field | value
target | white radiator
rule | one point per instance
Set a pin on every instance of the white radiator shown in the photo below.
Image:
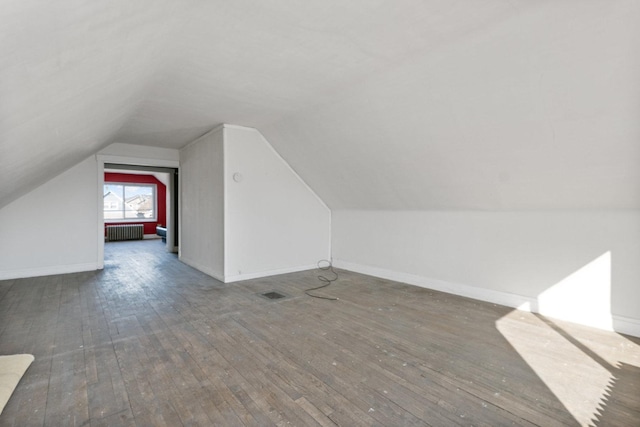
(125, 232)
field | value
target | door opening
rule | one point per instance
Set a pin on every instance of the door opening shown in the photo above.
(141, 198)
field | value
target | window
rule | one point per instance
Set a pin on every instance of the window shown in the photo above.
(129, 202)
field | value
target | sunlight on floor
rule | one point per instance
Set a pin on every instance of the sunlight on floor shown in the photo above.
(577, 374)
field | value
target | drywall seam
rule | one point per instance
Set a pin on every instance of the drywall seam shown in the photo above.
(100, 161)
(225, 201)
(48, 271)
(330, 254)
(621, 324)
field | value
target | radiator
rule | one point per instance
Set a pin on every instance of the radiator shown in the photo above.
(125, 232)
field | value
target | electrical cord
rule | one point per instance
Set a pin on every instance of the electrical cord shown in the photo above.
(327, 281)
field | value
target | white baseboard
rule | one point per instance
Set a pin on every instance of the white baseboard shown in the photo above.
(244, 276)
(151, 237)
(620, 324)
(202, 268)
(248, 276)
(48, 271)
(488, 295)
(626, 325)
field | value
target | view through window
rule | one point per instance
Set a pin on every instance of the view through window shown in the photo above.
(124, 202)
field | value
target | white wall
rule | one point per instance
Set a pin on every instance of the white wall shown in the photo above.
(52, 229)
(57, 227)
(141, 155)
(274, 223)
(245, 212)
(581, 266)
(202, 204)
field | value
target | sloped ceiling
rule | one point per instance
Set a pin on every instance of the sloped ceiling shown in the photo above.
(494, 104)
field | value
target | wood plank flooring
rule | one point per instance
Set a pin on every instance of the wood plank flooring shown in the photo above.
(152, 342)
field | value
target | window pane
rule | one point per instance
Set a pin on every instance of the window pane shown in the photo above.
(113, 201)
(129, 202)
(139, 201)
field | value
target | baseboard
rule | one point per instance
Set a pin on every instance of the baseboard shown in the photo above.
(624, 325)
(244, 276)
(248, 276)
(496, 297)
(151, 237)
(48, 271)
(202, 268)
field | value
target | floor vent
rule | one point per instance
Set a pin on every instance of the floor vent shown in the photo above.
(272, 295)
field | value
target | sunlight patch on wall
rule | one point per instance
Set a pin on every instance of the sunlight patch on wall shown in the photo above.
(582, 297)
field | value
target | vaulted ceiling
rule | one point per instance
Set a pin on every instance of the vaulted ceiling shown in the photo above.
(396, 104)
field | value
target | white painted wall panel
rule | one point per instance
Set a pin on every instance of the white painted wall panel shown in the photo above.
(52, 229)
(202, 202)
(145, 155)
(580, 266)
(274, 222)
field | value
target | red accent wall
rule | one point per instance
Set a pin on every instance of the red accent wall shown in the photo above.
(161, 193)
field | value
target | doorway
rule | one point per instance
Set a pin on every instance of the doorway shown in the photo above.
(140, 187)
(143, 194)
(148, 194)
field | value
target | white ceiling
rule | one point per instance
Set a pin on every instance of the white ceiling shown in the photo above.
(397, 104)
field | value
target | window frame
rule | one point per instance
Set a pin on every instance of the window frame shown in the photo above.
(154, 188)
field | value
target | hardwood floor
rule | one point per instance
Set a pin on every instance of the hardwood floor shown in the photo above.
(152, 342)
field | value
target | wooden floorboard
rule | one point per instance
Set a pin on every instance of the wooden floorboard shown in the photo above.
(149, 341)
